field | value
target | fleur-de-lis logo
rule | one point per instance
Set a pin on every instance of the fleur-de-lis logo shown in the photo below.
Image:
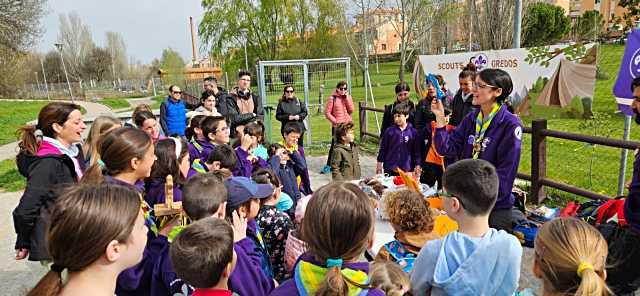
(634, 66)
(481, 61)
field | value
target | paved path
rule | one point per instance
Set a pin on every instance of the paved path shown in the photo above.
(93, 110)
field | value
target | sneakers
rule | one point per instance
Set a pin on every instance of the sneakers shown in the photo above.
(325, 170)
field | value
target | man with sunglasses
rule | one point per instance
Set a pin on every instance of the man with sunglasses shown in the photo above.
(173, 113)
(241, 106)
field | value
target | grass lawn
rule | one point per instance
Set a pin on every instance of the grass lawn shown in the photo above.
(115, 103)
(10, 179)
(14, 114)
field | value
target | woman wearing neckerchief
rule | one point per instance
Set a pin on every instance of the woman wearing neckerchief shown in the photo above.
(491, 133)
(51, 159)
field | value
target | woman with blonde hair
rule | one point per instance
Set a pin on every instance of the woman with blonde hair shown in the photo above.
(570, 257)
(101, 125)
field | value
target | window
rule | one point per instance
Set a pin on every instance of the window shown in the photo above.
(384, 46)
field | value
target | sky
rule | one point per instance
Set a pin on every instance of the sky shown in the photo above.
(148, 26)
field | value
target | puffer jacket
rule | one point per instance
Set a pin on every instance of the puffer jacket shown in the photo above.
(339, 108)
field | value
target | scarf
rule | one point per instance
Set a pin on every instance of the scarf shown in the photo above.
(482, 125)
(309, 276)
(71, 151)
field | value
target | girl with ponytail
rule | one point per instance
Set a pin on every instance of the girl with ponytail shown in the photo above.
(51, 159)
(96, 232)
(126, 156)
(338, 228)
(570, 258)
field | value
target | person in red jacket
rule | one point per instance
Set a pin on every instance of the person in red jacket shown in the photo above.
(339, 109)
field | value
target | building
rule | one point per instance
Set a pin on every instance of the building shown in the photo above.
(383, 30)
(565, 4)
(609, 9)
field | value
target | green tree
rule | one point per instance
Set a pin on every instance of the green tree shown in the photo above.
(223, 22)
(632, 13)
(588, 26)
(544, 24)
(173, 64)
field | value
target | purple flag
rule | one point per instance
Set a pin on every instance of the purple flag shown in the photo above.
(629, 69)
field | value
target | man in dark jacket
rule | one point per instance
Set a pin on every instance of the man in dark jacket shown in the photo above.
(211, 88)
(241, 105)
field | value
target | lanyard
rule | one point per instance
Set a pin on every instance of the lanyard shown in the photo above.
(482, 125)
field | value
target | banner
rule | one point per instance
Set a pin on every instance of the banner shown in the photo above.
(523, 74)
(629, 69)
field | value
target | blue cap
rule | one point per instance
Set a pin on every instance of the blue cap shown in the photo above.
(242, 189)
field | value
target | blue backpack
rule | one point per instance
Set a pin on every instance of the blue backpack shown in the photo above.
(401, 255)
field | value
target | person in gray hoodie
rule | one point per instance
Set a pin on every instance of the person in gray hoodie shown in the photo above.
(476, 259)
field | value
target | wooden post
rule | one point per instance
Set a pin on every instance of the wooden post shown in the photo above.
(538, 160)
(168, 192)
(363, 119)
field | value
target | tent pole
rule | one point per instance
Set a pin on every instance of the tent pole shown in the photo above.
(623, 156)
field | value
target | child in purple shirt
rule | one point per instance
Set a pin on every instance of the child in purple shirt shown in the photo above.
(397, 147)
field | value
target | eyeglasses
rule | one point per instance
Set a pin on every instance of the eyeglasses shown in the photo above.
(342, 88)
(177, 92)
(288, 91)
(483, 85)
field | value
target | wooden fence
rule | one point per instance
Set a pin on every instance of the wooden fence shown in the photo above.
(539, 134)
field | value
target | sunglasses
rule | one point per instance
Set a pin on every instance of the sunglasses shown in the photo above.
(177, 92)
(342, 88)
(288, 91)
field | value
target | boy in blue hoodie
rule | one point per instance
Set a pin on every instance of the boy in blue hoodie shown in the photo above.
(477, 259)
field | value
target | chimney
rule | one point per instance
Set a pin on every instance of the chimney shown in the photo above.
(193, 41)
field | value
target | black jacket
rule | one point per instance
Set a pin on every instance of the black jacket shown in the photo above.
(387, 118)
(460, 108)
(423, 115)
(291, 107)
(228, 107)
(221, 93)
(46, 177)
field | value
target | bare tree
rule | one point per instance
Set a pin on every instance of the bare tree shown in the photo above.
(77, 43)
(117, 49)
(417, 18)
(19, 30)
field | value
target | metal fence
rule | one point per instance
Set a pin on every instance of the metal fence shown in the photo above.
(313, 80)
(92, 89)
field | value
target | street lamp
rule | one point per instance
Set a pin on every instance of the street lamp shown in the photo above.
(59, 47)
(244, 33)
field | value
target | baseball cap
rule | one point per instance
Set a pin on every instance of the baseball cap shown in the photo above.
(242, 189)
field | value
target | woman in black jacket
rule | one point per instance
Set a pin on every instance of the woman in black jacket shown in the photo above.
(51, 160)
(291, 109)
(402, 95)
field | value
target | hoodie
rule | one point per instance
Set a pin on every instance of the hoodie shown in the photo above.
(463, 265)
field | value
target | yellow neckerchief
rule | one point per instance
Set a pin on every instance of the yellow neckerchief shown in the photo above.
(482, 125)
(293, 148)
(309, 276)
